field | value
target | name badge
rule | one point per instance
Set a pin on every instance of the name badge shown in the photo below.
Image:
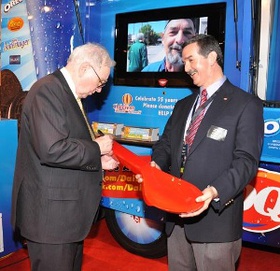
(217, 133)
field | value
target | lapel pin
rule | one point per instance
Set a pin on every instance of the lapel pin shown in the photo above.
(225, 98)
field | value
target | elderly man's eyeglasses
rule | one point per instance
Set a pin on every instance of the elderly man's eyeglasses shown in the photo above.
(101, 83)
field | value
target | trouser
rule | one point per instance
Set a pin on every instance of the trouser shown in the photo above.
(184, 255)
(52, 257)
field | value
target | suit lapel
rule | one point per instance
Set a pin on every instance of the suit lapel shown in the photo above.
(214, 111)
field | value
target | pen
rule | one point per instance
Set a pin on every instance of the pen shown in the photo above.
(100, 133)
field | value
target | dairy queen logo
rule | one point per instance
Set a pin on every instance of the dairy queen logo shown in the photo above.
(262, 203)
(126, 106)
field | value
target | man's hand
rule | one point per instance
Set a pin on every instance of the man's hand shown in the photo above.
(209, 194)
(105, 144)
(139, 178)
(109, 162)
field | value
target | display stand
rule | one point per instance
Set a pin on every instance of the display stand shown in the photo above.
(8, 147)
(134, 142)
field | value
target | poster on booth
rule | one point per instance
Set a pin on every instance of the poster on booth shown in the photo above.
(262, 203)
(122, 192)
(261, 220)
(271, 144)
(16, 44)
(37, 37)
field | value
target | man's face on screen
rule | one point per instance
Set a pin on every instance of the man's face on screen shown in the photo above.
(176, 33)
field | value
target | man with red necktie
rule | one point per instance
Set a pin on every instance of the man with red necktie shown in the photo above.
(220, 157)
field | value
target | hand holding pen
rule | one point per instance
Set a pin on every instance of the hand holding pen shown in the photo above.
(105, 143)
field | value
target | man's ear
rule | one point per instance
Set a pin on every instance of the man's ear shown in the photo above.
(162, 35)
(82, 68)
(212, 57)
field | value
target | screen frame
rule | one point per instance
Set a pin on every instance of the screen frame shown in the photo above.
(216, 14)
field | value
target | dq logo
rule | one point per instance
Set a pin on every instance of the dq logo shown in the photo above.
(271, 127)
(262, 203)
(126, 106)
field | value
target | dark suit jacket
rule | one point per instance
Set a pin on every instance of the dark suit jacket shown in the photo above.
(58, 174)
(225, 154)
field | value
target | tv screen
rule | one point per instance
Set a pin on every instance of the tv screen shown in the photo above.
(148, 43)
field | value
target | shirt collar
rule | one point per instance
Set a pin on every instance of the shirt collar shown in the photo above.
(69, 81)
(214, 87)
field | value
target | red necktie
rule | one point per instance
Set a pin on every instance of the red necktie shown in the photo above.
(196, 122)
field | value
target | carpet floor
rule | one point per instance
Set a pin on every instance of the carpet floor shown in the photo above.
(103, 253)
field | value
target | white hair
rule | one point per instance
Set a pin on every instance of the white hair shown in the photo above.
(92, 53)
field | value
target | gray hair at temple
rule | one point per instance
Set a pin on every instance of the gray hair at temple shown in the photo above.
(92, 53)
(207, 44)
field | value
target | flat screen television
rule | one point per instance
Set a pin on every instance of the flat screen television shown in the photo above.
(206, 18)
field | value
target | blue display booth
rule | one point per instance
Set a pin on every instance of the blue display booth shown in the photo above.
(8, 147)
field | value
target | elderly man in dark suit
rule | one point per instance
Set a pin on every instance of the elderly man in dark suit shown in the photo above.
(58, 175)
(215, 145)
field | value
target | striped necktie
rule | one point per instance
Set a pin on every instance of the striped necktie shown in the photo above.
(85, 117)
(196, 122)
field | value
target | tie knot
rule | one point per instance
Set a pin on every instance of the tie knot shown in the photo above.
(203, 96)
(204, 93)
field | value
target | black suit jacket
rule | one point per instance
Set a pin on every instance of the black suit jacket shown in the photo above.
(58, 174)
(225, 154)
